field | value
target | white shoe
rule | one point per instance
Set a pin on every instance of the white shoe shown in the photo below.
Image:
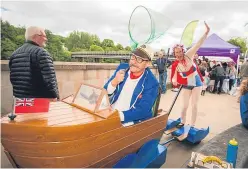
(175, 89)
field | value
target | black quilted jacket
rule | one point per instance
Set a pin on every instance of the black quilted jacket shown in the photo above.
(32, 72)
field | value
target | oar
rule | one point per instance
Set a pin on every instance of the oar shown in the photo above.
(175, 99)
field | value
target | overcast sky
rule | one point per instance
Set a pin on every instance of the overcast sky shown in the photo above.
(109, 19)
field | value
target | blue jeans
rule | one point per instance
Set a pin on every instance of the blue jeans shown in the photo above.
(162, 81)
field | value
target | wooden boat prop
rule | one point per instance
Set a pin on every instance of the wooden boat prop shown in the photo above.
(80, 131)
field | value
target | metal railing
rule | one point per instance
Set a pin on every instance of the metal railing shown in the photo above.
(95, 55)
(101, 53)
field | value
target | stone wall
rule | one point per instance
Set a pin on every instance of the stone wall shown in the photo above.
(69, 75)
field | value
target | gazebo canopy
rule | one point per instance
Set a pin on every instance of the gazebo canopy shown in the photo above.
(215, 46)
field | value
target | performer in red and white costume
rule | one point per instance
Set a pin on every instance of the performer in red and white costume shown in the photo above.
(186, 72)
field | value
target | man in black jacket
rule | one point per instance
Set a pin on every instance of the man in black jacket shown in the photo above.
(162, 64)
(31, 67)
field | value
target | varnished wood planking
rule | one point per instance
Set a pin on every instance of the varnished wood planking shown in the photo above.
(132, 148)
(76, 146)
(21, 117)
(108, 162)
(52, 113)
(77, 121)
(29, 116)
(57, 119)
(89, 158)
(57, 104)
(111, 160)
(62, 133)
(60, 119)
(104, 114)
(66, 116)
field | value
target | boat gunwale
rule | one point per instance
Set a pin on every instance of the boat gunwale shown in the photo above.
(77, 125)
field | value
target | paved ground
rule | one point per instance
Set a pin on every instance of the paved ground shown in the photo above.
(220, 112)
(217, 145)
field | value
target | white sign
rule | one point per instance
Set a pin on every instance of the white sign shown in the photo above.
(232, 51)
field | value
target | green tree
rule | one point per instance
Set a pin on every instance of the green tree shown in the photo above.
(119, 47)
(55, 47)
(76, 50)
(108, 43)
(96, 48)
(73, 40)
(240, 42)
(95, 40)
(65, 56)
(81, 40)
(7, 30)
(8, 47)
(108, 49)
(19, 40)
(11, 39)
(85, 40)
(128, 48)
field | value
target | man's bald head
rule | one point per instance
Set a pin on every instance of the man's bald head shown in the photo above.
(160, 54)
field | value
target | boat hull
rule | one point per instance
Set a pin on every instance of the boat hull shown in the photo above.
(100, 143)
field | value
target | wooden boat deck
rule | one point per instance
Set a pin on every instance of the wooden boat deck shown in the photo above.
(60, 114)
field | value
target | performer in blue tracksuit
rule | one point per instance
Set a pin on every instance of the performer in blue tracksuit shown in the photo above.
(133, 88)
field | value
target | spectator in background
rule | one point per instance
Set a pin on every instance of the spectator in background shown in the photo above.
(204, 73)
(226, 69)
(213, 64)
(220, 76)
(208, 65)
(232, 75)
(244, 70)
(32, 73)
(162, 64)
(203, 68)
(212, 75)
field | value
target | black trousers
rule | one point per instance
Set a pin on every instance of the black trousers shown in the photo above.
(231, 81)
(217, 80)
